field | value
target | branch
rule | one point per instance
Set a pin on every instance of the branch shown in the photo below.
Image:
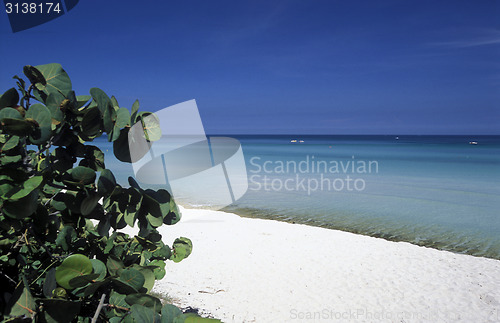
(101, 304)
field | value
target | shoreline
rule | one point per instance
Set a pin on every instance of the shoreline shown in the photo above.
(390, 235)
(255, 270)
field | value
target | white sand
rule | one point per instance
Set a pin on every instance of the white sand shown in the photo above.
(251, 270)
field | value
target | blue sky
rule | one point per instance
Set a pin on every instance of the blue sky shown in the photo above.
(283, 67)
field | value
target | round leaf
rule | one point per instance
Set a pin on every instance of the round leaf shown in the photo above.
(122, 118)
(56, 77)
(9, 98)
(53, 103)
(91, 122)
(16, 127)
(27, 187)
(133, 277)
(10, 113)
(121, 147)
(106, 183)
(182, 249)
(89, 203)
(73, 266)
(144, 300)
(99, 268)
(34, 75)
(43, 118)
(11, 143)
(82, 175)
(23, 207)
(151, 126)
(169, 312)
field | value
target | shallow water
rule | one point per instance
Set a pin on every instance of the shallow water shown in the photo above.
(437, 191)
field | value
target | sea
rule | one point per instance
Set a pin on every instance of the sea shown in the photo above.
(436, 191)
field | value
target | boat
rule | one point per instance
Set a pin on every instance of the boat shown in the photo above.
(293, 140)
(472, 142)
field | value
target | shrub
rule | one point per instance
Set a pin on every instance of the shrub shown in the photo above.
(62, 256)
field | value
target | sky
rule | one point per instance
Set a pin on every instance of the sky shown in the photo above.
(285, 66)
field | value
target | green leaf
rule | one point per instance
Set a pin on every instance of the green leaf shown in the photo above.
(169, 312)
(11, 143)
(114, 265)
(43, 118)
(150, 125)
(91, 123)
(81, 281)
(92, 288)
(16, 127)
(89, 203)
(144, 300)
(49, 284)
(56, 77)
(118, 299)
(101, 98)
(81, 100)
(123, 287)
(149, 276)
(122, 118)
(53, 103)
(73, 266)
(133, 206)
(10, 159)
(73, 201)
(182, 249)
(135, 110)
(59, 310)
(9, 99)
(94, 158)
(132, 277)
(121, 147)
(159, 271)
(22, 208)
(22, 302)
(106, 183)
(82, 175)
(99, 268)
(105, 107)
(10, 113)
(114, 103)
(26, 188)
(142, 314)
(152, 207)
(34, 75)
(65, 237)
(174, 215)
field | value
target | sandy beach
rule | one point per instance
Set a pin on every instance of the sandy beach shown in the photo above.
(252, 270)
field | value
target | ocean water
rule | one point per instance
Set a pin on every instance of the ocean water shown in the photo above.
(437, 191)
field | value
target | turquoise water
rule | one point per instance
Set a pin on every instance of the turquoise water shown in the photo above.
(437, 191)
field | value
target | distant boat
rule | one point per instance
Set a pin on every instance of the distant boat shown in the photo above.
(293, 140)
(301, 140)
(397, 138)
(472, 142)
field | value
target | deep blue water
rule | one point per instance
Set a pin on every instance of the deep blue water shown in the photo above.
(437, 191)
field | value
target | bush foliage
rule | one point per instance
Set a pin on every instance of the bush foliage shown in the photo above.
(62, 256)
